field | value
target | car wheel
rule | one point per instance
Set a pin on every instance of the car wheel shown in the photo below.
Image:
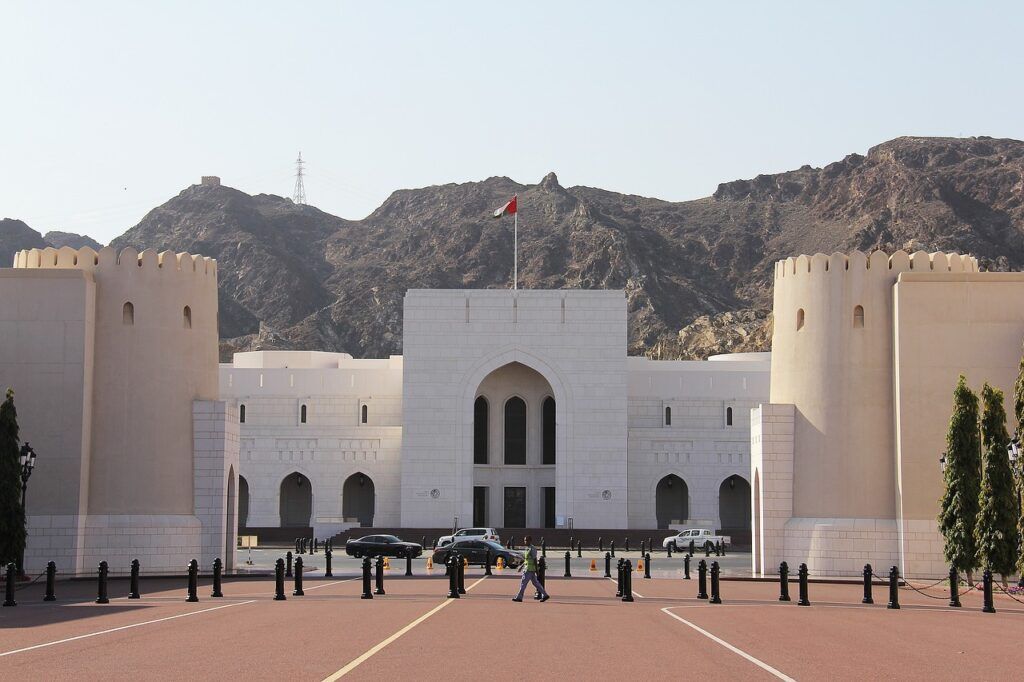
(357, 554)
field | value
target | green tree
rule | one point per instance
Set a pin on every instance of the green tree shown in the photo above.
(996, 528)
(1018, 411)
(12, 518)
(959, 509)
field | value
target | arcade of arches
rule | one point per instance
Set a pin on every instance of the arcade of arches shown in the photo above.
(672, 505)
(358, 499)
(514, 449)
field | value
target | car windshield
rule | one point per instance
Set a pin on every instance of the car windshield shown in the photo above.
(493, 545)
(389, 538)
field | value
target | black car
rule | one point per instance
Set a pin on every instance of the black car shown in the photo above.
(382, 545)
(475, 551)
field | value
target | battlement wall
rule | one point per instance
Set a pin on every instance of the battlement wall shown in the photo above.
(877, 265)
(107, 258)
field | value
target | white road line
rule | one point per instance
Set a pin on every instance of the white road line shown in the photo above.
(759, 663)
(635, 593)
(362, 659)
(123, 627)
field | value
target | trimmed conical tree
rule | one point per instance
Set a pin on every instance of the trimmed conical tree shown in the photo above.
(996, 528)
(1018, 411)
(959, 509)
(12, 518)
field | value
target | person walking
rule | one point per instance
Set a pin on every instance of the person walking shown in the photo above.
(529, 568)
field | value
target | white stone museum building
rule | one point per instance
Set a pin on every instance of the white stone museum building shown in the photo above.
(511, 409)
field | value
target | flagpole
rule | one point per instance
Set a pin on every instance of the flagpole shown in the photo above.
(515, 248)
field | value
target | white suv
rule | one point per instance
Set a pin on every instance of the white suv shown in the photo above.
(469, 534)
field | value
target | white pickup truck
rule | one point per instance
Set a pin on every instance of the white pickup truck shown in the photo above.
(701, 538)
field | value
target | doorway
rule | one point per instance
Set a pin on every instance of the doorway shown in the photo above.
(549, 507)
(480, 505)
(515, 507)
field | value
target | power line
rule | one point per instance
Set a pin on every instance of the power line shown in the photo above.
(299, 195)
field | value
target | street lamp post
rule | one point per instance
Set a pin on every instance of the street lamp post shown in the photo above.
(27, 460)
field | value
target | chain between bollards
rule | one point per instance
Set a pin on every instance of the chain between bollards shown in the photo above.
(279, 580)
(218, 567)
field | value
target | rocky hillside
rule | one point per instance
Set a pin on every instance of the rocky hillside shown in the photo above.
(15, 236)
(696, 273)
(75, 241)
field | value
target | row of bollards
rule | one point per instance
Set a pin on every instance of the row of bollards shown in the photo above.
(312, 545)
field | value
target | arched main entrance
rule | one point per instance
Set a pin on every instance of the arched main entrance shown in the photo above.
(243, 502)
(357, 499)
(672, 501)
(734, 509)
(296, 501)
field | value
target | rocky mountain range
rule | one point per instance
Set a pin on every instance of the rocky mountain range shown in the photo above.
(697, 274)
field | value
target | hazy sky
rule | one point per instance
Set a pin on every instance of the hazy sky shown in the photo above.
(109, 109)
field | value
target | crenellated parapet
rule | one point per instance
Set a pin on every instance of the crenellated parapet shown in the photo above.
(877, 265)
(148, 261)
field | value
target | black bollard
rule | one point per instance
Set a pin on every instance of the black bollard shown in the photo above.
(702, 580)
(461, 574)
(692, 547)
(327, 557)
(423, 542)
(784, 582)
(408, 563)
(453, 578)
(12, 571)
(803, 601)
(686, 567)
(647, 566)
(193, 581)
(650, 546)
(625, 545)
(627, 576)
(668, 550)
(101, 588)
(894, 588)
(707, 549)
(600, 544)
(954, 588)
(367, 594)
(487, 562)
(716, 597)
(279, 580)
(288, 567)
(298, 544)
(133, 585)
(607, 565)
(312, 546)
(641, 548)
(867, 585)
(543, 547)
(51, 579)
(579, 549)
(218, 567)
(619, 579)
(568, 558)
(612, 547)
(986, 590)
(542, 568)
(379, 587)
(718, 548)
(723, 547)
(297, 592)
(571, 543)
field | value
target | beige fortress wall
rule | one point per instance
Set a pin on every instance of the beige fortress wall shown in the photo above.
(146, 377)
(46, 356)
(839, 376)
(946, 324)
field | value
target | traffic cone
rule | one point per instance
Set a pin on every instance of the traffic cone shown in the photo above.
(593, 564)
(387, 564)
(500, 564)
(640, 565)
(430, 563)
(465, 561)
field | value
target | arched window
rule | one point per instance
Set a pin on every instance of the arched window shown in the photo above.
(302, 414)
(858, 316)
(800, 319)
(515, 431)
(186, 316)
(728, 416)
(241, 414)
(128, 313)
(668, 416)
(481, 413)
(365, 414)
(549, 431)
